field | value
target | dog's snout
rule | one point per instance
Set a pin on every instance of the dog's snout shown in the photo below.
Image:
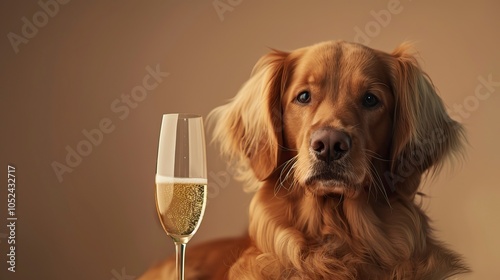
(330, 144)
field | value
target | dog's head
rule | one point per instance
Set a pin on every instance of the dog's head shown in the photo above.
(338, 118)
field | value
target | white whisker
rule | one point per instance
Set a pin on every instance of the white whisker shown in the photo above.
(288, 167)
(377, 182)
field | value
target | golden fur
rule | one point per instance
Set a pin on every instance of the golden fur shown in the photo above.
(348, 218)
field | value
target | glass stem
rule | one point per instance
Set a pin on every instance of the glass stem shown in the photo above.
(180, 248)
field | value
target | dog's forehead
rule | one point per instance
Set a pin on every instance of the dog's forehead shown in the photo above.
(335, 60)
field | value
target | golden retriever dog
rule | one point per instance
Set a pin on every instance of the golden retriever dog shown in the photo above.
(335, 139)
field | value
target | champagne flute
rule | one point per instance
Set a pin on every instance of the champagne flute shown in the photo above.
(181, 180)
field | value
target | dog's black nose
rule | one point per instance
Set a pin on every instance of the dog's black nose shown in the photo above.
(330, 144)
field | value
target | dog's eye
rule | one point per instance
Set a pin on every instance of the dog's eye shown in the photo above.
(370, 100)
(304, 97)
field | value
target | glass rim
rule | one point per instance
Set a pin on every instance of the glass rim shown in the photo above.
(183, 115)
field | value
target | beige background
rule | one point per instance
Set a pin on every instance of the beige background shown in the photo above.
(100, 221)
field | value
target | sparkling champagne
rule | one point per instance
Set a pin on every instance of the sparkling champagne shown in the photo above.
(180, 203)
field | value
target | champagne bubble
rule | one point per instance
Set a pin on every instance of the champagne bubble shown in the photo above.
(181, 206)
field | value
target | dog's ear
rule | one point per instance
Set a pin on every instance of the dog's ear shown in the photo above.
(423, 133)
(249, 127)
